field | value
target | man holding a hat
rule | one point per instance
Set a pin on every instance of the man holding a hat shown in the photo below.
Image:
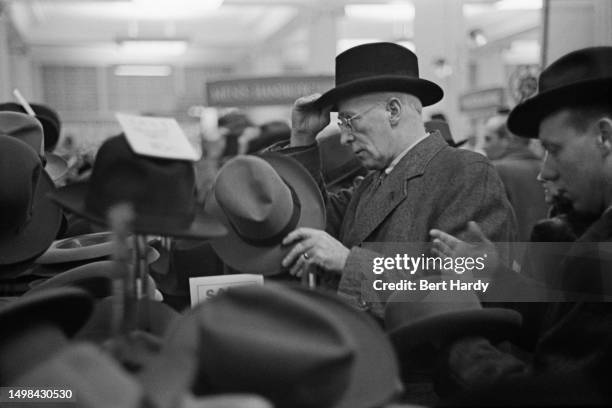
(417, 182)
(572, 116)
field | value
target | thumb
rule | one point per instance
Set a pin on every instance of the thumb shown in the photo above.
(476, 233)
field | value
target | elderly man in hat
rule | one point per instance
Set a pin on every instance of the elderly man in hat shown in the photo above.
(572, 116)
(417, 182)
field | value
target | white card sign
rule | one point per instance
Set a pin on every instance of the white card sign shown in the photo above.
(157, 137)
(206, 287)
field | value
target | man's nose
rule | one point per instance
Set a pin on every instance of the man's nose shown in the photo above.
(346, 137)
(548, 171)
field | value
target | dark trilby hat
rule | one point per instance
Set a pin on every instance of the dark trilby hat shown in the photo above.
(296, 347)
(29, 221)
(379, 67)
(578, 78)
(48, 118)
(161, 191)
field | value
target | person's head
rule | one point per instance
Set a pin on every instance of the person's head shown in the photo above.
(498, 139)
(379, 126)
(578, 160)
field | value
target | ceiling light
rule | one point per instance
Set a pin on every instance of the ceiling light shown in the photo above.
(390, 11)
(518, 5)
(152, 47)
(143, 70)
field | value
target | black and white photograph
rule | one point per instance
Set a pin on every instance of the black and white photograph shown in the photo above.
(305, 203)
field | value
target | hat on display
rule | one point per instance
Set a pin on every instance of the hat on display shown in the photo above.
(48, 118)
(580, 77)
(293, 346)
(29, 221)
(416, 318)
(379, 67)
(260, 199)
(36, 326)
(29, 130)
(161, 191)
(442, 127)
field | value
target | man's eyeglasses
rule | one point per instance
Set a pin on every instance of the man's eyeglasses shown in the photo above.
(345, 123)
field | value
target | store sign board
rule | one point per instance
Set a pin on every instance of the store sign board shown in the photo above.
(263, 91)
(483, 99)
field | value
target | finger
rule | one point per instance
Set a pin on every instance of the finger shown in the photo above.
(475, 230)
(447, 239)
(299, 267)
(307, 100)
(442, 248)
(293, 255)
(297, 235)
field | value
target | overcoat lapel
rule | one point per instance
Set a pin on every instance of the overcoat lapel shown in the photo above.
(372, 208)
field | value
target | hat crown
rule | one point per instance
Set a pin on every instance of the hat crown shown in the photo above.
(375, 59)
(25, 128)
(253, 196)
(289, 347)
(154, 187)
(20, 170)
(406, 307)
(579, 66)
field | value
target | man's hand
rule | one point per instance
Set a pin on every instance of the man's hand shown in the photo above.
(307, 120)
(314, 247)
(446, 245)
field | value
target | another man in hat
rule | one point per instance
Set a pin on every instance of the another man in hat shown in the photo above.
(518, 168)
(417, 182)
(572, 116)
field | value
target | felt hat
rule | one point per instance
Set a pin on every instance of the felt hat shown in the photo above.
(85, 247)
(295, 347)
(161, 191)
(29, 221)
(260, 199)
(48, 118)
(379, 67)
(29, 130)
(417, 318)
(338, 162)
(442, 127)
(581, 77)
(36, 326)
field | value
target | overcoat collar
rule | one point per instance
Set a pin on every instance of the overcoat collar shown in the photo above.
(392, 191)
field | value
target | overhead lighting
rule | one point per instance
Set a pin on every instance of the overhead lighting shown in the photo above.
(518, 5)
(390, 11)
(143, 70)
(152, 47)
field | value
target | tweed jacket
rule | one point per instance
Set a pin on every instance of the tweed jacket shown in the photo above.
(433, 186)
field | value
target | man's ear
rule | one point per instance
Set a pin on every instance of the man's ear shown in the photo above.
(394, 110)
(604, 128)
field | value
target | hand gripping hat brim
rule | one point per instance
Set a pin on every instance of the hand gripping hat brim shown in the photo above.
(379, 67)
(266, 259)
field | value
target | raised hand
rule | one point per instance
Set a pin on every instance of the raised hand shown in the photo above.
(307, 120)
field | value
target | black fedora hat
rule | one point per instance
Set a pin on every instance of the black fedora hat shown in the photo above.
(379, 67)
(582, 76)
(442, 127)
(29, 221)
(48, 118)
(162, 193)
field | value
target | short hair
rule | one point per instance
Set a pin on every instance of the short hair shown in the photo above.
(580, 117)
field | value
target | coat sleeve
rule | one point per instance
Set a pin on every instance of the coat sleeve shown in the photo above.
(335, 203)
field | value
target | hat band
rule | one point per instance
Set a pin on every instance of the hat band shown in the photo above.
(278, 237)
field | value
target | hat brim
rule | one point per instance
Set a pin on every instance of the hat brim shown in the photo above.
(428, 92)
(374, 378)
(68, 308)
(56, 166)
(493, 323)
(524, 120)
(203, 226)
(266, 260)
(40, 232)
